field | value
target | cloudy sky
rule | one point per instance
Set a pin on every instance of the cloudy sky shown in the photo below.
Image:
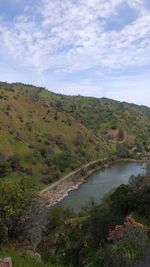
(88, 47)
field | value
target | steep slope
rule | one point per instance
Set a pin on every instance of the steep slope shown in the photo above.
(41, 141)
(97, 114)
(47, 135)
(103, 114)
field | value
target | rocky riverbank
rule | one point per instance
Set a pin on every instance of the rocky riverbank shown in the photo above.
(61, 190)
(49, 197)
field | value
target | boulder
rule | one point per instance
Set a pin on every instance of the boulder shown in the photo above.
(6, 262)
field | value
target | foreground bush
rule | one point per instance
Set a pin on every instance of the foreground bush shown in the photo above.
(14, 201)
(19, 260)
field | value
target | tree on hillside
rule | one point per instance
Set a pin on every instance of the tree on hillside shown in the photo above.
(120, 135)
(3, 166)
(122, 150)
(79, 139)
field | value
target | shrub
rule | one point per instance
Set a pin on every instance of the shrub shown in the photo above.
(15, 199)
(125, 252)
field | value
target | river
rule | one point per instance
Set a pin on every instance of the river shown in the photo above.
(101, 182)
(96, 186)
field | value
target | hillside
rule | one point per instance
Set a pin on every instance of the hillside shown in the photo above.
(97, 114)
(102, 114)
(39, 140)
(46, 135)
(43, 137)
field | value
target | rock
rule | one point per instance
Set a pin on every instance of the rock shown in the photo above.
(6, 262)
(34, 254)
(119, 230)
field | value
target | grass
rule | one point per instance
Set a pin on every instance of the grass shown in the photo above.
(140, 219)
(78, 220)
(18, 176)
(22, 260)
(19, 110)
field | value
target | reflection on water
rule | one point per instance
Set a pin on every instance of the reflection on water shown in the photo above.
(101, 182)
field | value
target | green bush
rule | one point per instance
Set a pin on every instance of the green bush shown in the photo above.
(14, 201)
(126, 251)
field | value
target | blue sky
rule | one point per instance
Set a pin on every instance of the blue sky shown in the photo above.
(88, 47)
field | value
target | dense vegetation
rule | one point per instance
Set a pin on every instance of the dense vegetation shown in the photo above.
(85, 239)
(90, 238)
(15, 199)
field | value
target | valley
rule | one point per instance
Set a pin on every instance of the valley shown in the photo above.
(47, 135)
(72, 170)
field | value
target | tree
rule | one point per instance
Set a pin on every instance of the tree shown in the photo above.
(122, 151)
(120, 135)
(3, 166)
(14, 162)
(124, 199)
(56, 116)
(14, 201)
(79, 139)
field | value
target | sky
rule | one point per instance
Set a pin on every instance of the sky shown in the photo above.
(95, 48)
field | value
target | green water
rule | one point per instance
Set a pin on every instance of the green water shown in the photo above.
(101, 182)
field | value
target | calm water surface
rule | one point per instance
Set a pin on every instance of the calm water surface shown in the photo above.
(101, 182)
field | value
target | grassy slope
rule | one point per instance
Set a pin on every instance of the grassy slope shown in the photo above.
(32, 119)
(95, 113)
(27, 127)
(102, 114)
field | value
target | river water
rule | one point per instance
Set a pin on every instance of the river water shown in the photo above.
(101, 182)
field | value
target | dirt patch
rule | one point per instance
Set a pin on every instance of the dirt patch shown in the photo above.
(114, 135)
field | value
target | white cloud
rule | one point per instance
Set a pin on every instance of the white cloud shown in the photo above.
(69, 35)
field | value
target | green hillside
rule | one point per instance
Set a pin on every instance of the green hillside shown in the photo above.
(102, 114)
(98, 114)
(40, 141)
(94, 113)
(46, 135)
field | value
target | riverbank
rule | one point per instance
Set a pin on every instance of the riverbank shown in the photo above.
(56, 192)
(80, 196)
(146, 160)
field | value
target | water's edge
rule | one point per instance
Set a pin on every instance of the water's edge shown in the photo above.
(75, 179)
(101, 182)
(39, 210)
